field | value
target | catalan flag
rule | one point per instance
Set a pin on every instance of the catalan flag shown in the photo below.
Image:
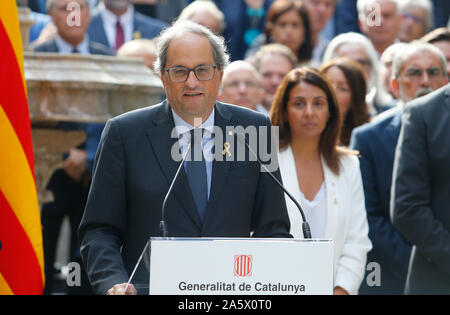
(21, 253)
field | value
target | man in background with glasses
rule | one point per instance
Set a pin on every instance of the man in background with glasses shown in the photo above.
(135, 165)
(417, 19)
(241, 85)
(420, 186)
(418, 69)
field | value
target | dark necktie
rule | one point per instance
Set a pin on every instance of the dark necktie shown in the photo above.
(75, 51)
(120, 37)
(196, 173)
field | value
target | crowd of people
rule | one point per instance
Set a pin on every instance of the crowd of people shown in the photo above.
(359, 90)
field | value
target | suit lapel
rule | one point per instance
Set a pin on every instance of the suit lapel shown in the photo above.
(158, 136)
(447, 96)
(393, 128)
(220, 169)
(97, 31)
(53, 46)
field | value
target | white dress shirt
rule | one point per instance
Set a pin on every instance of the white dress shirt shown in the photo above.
(110, 24)
(318, 51)
(66, 48)
(261, 109)
(182, 128)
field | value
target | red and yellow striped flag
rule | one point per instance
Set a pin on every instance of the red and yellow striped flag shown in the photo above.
(21, 253)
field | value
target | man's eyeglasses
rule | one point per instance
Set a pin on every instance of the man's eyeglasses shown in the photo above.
(181, 74)
(416, 19)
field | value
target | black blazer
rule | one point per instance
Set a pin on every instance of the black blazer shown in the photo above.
(421, 190)
(132, 173)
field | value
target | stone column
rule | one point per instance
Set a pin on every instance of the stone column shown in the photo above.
(26, 21)
(79, 88)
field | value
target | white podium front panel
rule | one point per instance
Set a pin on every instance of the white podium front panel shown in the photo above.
(241, 266)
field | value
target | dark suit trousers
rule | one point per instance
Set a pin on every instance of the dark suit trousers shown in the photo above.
(70, 200)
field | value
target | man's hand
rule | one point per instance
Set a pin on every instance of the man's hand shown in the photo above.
(339, 291)
(76, 164)
(119, 289)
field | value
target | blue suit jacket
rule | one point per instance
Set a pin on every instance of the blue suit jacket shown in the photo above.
(376, 143)
(143, 27)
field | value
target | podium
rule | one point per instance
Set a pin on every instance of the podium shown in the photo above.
(234, 266)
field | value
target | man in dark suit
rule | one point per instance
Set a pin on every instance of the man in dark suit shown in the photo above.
(421, 186)
(116, 22)
(376, 144)
(70, 184)
(71, 19)
(136, 162)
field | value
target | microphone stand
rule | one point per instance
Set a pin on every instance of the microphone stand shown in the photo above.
(162, 223)
(305, 225)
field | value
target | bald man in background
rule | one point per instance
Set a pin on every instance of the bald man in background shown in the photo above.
(241, 85)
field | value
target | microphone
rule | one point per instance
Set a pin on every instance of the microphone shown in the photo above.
(162, 223)
(305, 225)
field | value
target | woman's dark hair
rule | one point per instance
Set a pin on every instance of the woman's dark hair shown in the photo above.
(330, 135)
(280, 7)
(358, 113)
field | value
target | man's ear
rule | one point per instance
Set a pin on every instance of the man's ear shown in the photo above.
(162, 80)
(221, 75)
(395, 87)
(362, 26)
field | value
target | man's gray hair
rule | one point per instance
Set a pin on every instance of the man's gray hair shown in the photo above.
(273, 49)
(355, 39)
(363, 5)
(207, 5)
(50, 5)
(426, 5)
(413, 48)
(241, 65)
(180, 28)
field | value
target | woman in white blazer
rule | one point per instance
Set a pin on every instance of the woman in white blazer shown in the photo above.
(324, 178)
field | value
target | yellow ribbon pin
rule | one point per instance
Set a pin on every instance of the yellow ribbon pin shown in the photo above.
(137, 35)
(226, 149)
